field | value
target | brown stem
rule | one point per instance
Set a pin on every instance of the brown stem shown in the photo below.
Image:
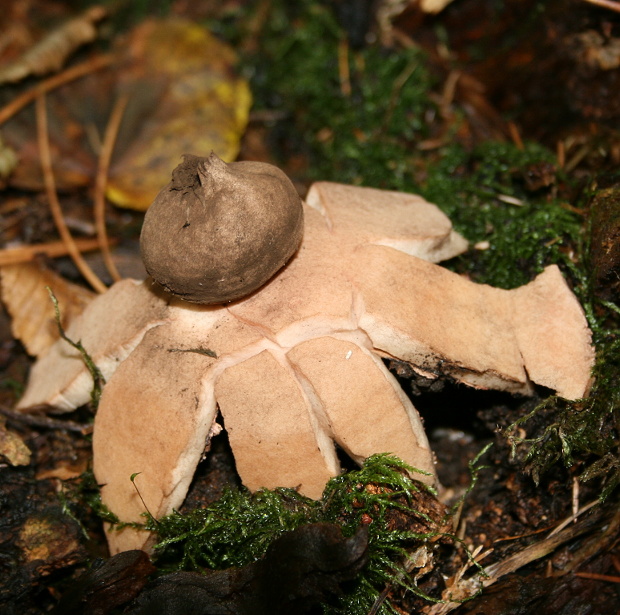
(52, 249)
(50, 188)
(101, 180)
(79, 70)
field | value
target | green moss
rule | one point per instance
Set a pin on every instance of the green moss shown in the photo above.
(238, 528)
(474, 189)
(364, 135)
(583, 434)
(233, 531)
(370, 136)
(84, 493)
(95, 372)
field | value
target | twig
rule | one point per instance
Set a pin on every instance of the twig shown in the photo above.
(573, 518)
(598, 577)
(101, 180)
(515, 136)
(379, 601)
(35, 420)
(538, 550)
(75, 72)
(343, 68)
(606, 4)
(53, 249)
(50, 188)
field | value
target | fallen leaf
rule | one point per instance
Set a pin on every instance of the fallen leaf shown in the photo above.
(64, 471)
(52, 51)
(25, 295)
(12, 447)
(434, 6)
(43, 538)
(182, 94)
(201, 106)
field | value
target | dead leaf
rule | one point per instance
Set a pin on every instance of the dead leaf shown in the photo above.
(43, 538)
(64, 471)
(196, 105)
(50, 54)
(27, 300)
(12, 447)
(183, 96)
(434, 6)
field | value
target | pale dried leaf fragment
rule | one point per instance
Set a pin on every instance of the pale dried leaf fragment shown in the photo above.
(24, 292)
(50, 54)
(434, 6)
(12, 448)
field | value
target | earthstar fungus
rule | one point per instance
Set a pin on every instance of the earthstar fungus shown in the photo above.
(295, 368)
(219, 231)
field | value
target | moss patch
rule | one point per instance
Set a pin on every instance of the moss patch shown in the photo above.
(401, 516)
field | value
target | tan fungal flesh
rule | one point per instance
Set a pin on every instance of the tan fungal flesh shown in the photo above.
(295, 367)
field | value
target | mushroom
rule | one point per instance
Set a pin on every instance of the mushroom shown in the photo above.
(219, 231)
(295, 368)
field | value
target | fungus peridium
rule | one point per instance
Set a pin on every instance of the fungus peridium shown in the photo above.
(295, 369)
(218, 231)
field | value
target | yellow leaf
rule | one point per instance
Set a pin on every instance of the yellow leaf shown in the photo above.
(194, 104)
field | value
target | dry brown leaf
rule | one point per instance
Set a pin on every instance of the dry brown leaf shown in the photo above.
(50, 54)
(12, 447)
(64, 471)
(28, 302)
(183, 97)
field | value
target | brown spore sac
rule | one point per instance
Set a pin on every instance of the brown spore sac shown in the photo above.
(217, 232)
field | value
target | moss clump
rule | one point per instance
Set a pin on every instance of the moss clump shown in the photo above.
(583, 434)
(354, 116)
(238, 528)
(485, 194)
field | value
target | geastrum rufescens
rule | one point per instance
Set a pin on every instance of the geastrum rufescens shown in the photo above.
(295, 367)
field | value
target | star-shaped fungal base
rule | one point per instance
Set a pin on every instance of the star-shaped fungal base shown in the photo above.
(296, 367)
